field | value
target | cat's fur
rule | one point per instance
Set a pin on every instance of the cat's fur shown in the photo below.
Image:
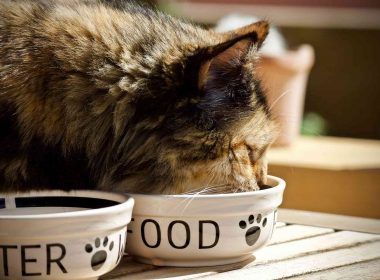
(93, 96)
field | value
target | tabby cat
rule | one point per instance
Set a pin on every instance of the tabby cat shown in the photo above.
(94, 96)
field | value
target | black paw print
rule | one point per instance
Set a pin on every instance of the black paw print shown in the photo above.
(253, 233)
(100, 255)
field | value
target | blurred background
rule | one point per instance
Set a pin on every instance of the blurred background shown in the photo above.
(320, 66)
(342, 95)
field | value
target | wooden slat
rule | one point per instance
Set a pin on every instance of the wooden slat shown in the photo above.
(280, 224)
(307, 264)
(296, 16)
(328, 242)
(279, 252)
(368, 270)
(127, 267)
(332, 153)
(295, 232)
(329, 220)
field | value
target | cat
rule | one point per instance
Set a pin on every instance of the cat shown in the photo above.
(94, 96)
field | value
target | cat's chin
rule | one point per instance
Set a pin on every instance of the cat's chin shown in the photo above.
(246, 186)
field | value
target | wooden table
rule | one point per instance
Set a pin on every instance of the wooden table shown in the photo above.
(343, 172)
(305, 245)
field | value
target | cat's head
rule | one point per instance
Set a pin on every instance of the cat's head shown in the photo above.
(211, 125)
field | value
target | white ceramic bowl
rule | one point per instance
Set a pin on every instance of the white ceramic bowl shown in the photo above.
(203, 230)
(62, 235)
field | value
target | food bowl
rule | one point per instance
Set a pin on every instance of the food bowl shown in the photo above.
(203, 230)
(62, 235)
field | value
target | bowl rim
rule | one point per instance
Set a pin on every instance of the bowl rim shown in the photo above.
(125, 203)
(278, 186)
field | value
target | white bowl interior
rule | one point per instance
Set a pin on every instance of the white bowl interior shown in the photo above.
(34, 205)
(55, 202)
(210, 204)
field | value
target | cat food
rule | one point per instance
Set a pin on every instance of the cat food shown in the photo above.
(203, 230)
(62, 235)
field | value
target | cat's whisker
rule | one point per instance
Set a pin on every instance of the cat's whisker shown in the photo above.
(278, 99)
(189, 202)
(194, 193)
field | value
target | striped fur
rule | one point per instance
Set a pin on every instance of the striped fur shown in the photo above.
(94, 96)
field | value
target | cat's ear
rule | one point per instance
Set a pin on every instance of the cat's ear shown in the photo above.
(232, 50)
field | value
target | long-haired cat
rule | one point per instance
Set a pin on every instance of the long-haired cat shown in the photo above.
(128, 99)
